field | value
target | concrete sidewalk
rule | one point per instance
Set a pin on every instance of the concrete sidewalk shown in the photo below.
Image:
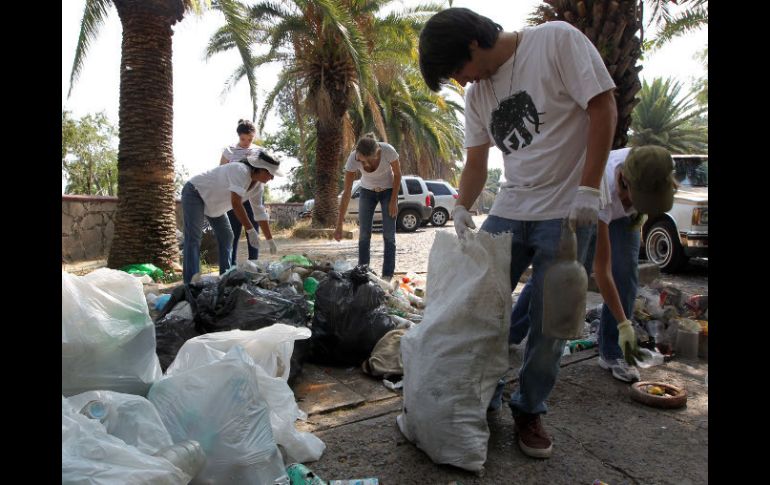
(598, 431)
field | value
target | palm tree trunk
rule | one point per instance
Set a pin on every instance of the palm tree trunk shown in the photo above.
(611, 25)
(328, 150)
(145, 224)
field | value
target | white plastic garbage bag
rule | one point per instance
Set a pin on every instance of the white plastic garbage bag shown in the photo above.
(108, 338)
(270, 349)
(91, 456)
(454, 358)
(221, 406)
(131, 418)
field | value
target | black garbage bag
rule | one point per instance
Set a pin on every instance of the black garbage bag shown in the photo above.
(349, 319)
(171, 332)
(245, 309)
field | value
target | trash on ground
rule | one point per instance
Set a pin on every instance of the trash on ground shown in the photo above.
(144, 269)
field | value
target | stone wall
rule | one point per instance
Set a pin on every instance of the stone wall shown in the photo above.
(88, 224)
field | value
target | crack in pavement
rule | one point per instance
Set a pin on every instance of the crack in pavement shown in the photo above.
(604, 463)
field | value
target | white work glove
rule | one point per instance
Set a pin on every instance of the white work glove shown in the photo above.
(253, 237)
(585, 207)
(627, 340)
(463, 221)
(272, 246)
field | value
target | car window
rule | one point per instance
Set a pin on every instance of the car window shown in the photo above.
(692, 172)
(438, 189)
(413, 186)
(401, 189)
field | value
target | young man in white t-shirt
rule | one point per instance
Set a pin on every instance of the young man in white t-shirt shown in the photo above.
(544, 97)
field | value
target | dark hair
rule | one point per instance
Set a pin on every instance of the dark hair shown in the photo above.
(246, 127)
(367, 145)
(445, 42)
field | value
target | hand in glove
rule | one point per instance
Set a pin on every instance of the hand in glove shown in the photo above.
(627, 341)
(272, 246)
(463, 221)
(253, 237)
(585, 207)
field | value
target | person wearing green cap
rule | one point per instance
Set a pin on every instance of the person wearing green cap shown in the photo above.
(641, 182)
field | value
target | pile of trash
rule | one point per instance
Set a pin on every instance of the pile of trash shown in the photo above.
(222, 409)
(667, 323)
(203, 392)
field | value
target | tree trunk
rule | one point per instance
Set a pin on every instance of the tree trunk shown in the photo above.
(611, 25)
(328, 155)
(145, 223)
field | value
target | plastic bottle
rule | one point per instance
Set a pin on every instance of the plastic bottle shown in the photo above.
(564, 290)
(95, 409)
(299, 474)
(186, 455)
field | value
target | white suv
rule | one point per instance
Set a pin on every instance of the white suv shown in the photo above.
(683, 232)
(415, 204)
(446, 197)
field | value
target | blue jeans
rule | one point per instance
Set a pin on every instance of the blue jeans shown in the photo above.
(367, 203)
(193, 206)
(520, 313)
(237, 226)
(625, 271)
(535, 242)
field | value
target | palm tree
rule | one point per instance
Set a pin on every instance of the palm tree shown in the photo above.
(665, 118)
(145, 225)
(694, 15)
(327, 49)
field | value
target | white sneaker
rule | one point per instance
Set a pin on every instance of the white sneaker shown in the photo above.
(620, 369)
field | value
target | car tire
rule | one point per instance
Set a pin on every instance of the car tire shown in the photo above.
(408, 220)
(439, 217)
(663, 248)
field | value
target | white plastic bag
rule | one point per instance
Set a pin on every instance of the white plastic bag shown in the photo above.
(108, 338)
(131, 418)
(454, 358)
(222, 407)
(270, 349)
(90, 456)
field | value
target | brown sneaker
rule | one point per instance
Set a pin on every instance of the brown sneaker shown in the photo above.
(533, 440)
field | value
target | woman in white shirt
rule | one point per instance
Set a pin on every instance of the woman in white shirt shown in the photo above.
(212, 194)
(238, 151)
(380, 181)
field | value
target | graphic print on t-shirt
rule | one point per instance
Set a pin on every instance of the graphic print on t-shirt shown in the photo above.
(508, 118)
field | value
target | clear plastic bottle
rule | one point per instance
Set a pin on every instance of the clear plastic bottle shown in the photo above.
(95, 409)
(186, 455)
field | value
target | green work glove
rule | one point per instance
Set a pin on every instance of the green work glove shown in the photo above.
(627, 341)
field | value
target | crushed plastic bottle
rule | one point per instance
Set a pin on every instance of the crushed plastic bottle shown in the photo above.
(186, 455)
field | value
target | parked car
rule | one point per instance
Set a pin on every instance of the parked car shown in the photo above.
(671, 239)
(415, 204)
(446, 196)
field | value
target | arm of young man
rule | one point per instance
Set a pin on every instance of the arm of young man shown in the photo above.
(472, 182)
(349, 178)
(393, 205)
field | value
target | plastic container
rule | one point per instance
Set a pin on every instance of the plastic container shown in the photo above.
(186, 455)
(687, 344)
(95, 410)
(564, 290)
(299, 474)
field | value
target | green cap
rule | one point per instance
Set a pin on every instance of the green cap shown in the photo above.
(649, 172)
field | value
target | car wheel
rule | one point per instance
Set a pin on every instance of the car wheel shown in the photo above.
(408, 220)
(439, 217)
(663, 247)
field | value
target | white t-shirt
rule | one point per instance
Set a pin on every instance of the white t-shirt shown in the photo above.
(215, 185)
(382, 177)
(614, 209)
(235, 153)
(541, 125)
